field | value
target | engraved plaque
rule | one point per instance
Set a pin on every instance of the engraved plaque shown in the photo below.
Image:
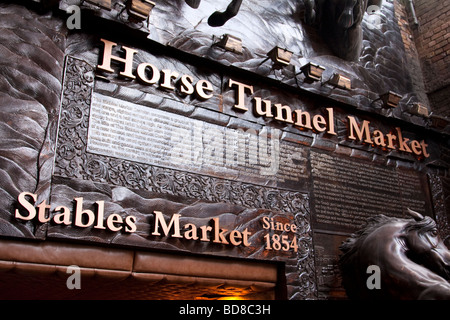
(347, 191)
(141, 134)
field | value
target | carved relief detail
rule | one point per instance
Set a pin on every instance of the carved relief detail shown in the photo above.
(438, 194)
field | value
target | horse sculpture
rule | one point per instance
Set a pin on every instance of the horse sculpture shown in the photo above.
(413, 262)
(339, 23)
(218, 19)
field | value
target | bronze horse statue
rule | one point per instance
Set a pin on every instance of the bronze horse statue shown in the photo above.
(413, 261)
(339, 23)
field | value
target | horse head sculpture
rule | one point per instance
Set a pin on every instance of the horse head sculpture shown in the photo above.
(339, 23)
(413, 261)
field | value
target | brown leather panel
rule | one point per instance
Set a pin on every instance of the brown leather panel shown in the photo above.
(64, 254)
(204, 267)
(46, 258)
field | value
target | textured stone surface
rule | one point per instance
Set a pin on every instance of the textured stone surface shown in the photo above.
(32, 50)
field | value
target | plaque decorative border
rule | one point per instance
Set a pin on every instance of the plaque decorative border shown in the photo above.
(438, 194)
(72, 161)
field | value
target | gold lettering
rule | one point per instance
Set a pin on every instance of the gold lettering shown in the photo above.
(142, 73)
(266, 224)
(186, 86)
(364, 132)
(100, 214)
(202, 86)
(319, 123)
(79, 213)
(416, 147)
(424, 148)
(302, 119)
(149, 74)
(191, 232)
(265, 111)
(43, 206)
(391, 139)
(112, 219)
(63, 217)
(205, 230)
(331, 121)
(219, 234)
(402, 142)
(235, 234)
(245, 235)
(83, 217)
(108, 56)
(240, 93)
(175, 222)
(130, 222)
(27, 205)
(279, 226)
(168, 75)
(283, 113)
(378, 138)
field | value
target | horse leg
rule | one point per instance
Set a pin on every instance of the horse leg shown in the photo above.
(193, 3)
(218, 19)
(310, 11)
(346, 18)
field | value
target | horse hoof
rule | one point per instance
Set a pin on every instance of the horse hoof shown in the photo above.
(217, 19)
(193, 3)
